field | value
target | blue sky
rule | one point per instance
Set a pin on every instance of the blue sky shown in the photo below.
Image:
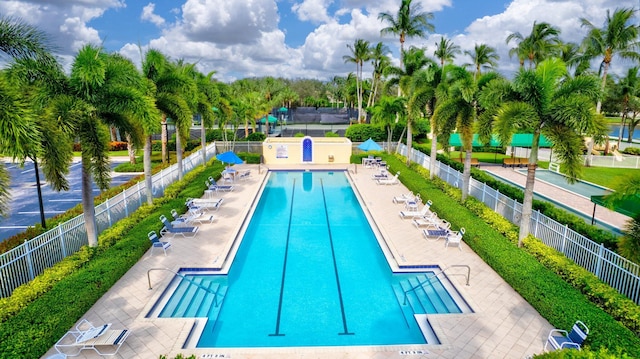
(290, 38)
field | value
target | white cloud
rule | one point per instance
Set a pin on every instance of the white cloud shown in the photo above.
(312, 10)
(149, 15)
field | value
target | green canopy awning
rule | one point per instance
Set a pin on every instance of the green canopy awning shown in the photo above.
(283, 109)
(456, 141)
(629, 206)
(517, 140)
(526, 139)
(272, 119)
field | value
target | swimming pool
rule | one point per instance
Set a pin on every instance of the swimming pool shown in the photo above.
(582, 188)
(310, 272)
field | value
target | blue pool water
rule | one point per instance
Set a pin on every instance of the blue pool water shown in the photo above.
(309, 272)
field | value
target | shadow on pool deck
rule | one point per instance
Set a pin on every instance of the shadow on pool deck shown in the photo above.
(503, 326)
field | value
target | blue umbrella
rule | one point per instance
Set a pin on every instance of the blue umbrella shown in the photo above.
(229, 157)
(370, 145)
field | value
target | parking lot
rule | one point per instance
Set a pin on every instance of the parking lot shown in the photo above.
(23, 206)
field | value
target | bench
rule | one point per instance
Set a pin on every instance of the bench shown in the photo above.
(474, 161)
(516, 161)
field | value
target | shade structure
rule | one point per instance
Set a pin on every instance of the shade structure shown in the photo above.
(229, 157)
(370, 145)
(517, 140)
(455, 140)
(272, 119)
(630, 206)
(283, 109)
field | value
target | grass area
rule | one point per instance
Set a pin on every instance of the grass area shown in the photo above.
(487, 157)
(112, 153)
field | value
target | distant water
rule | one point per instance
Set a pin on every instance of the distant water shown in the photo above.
(615, 131)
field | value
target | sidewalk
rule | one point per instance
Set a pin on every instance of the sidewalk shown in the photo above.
(569, 199)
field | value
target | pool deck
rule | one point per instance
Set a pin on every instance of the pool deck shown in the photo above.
(575, 201)
(503, 326)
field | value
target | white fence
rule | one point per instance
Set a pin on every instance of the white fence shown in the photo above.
(613, 269)
(616, 161)
(23, 263)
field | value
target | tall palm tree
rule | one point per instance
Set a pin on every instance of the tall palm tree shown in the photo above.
(380, 61)
(542, 42)
(360, 52)
(544, 101)
(409, 22)
(385, 112)
(618, 36)
(483, 57)
(414, 60)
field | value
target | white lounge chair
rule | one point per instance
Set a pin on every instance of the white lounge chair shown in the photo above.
(213, 186)
(415, 214)
(102, 339)
(441, 230)
(403, 197)
(157, 243)
(192, 217)
(430, 220)
(455, 238)
(204, 204)
(169, 228)
(244, 175)
(561, 339)
(391, 181)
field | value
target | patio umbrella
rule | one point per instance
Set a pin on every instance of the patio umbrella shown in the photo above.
(229, 157)
(272, 119)
(370, 145)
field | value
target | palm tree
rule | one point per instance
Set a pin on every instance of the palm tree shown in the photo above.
(618, 36)
(446, 51)
(483, 57)
(542, 43)
(103, 90)
(208, 95)
(360, 52)
(385, 112)
(459, 109)
(409, 22)
(414, 60)
(628, 87)
(380, 61)
(544, 101)
(23, 135)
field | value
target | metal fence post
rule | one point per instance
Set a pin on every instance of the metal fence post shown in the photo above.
(535, 228)
(600, 259)
(29, 260)
(62, 244)
(124, 198)
(106, 203)
(564, 238)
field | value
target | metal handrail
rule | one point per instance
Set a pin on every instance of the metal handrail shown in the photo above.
(215, 294)
(420, 284)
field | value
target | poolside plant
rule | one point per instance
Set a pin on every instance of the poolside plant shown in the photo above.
(38, 313)
(555, 298)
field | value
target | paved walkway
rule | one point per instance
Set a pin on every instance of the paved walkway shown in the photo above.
(503, 325)
(575, 201)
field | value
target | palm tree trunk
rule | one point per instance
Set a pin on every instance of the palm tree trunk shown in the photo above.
(466, 174)
(434, 150)
(131, 151)
(163, 138)
(146, 162)
(87, 205)
(179, 152)
(624, 117)
(203, 143)
(527, 202)
(409, 140)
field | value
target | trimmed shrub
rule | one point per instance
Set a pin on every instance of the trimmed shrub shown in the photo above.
(256, 136)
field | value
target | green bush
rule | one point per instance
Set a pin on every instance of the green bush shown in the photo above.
(362, 132)
(299, 134)
(217, 135)
(128, 167)
(331, 134)
(632, 151)
(256, 136)
(249, 157)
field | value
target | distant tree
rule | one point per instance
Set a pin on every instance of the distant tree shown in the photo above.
(360, 52)
(482, 57)
(542, 42)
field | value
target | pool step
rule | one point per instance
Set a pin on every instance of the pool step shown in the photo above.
(428, 297)
(195, 298)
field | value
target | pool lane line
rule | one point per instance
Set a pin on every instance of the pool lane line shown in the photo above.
(284, 265)
(335, 264)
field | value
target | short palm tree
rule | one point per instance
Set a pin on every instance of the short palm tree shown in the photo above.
(628, 88)
(380, 62)
(544, 101)
(385, 112)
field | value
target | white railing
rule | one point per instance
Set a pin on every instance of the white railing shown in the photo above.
(23, 263)
(615, 161)
(613, 269)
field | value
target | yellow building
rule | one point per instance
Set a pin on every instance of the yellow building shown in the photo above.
(306, 150)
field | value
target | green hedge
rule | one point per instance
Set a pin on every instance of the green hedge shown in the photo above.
(560, 302)
(41, 311)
